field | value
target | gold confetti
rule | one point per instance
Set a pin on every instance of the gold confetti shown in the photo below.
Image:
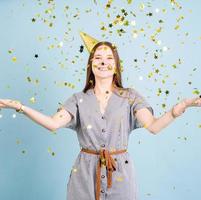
(119, 179)
(14, 59)
(18, 141)
(177, 27)
(32, 100)
(145, 126)
(49, 150)
(141, 6)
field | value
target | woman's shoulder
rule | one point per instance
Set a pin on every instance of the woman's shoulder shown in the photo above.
(126, 92)
(79, 94)
(133, 91)
(132, 94)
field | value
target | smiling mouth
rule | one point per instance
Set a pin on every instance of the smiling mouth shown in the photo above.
(103, 68)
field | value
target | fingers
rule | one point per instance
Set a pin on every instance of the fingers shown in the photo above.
(197, 102)
(9, 103)
(2, 102)
(192, 101)
(2, 105)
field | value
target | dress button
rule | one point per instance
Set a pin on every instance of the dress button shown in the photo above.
(102, 145)
(103, 117)
(102, 191)
(103, 130)
(102, 176)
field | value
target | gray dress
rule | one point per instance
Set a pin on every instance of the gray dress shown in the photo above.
(111, 131)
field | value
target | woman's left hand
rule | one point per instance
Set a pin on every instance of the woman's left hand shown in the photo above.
(180, 108)
(193, 102)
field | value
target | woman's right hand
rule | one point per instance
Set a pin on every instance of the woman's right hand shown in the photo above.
(9, 103)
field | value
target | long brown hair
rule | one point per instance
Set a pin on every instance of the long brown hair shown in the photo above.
(90, 78)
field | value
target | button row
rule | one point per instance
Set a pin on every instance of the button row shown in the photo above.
(102, 145)
(103, 130)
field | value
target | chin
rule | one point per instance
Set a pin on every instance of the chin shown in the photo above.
(104, 76)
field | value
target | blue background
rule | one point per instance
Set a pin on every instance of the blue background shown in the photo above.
(168, 164)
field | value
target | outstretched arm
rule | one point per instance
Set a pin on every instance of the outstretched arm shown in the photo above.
(155, 125)
(52, 123)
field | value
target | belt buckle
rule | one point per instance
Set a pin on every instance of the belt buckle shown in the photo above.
(103, 162)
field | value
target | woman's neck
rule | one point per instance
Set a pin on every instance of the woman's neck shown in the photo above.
(102, 90)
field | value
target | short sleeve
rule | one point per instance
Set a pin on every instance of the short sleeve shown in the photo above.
(71, 106)
(137, 101)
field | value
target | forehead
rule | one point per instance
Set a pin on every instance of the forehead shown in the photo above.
(103, 49)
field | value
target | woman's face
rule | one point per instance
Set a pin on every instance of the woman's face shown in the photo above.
(103, 62)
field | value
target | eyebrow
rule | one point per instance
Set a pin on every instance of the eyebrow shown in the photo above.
(101, 55)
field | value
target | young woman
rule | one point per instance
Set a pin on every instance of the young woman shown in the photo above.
(103, 115)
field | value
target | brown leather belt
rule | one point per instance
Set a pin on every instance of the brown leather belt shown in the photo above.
(107, 161)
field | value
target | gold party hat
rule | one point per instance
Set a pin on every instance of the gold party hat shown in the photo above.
(89, 41)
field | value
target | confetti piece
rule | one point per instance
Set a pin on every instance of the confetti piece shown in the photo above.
(182, 138)
(197, 92)
(14, 59)
(18, 141)
(10, 51)
(23, 151)
(44, 67)
(157, 10)
(50, 151)
(148, 194)
(165, 48)
(140, 78)
(32, 100)
(177, 27)
(89, 126)
(141, 6)
(133, 23)
(119, 179)
(75, 170)
(129, 1)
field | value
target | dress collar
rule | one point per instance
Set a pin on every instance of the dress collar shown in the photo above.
(118, 91)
